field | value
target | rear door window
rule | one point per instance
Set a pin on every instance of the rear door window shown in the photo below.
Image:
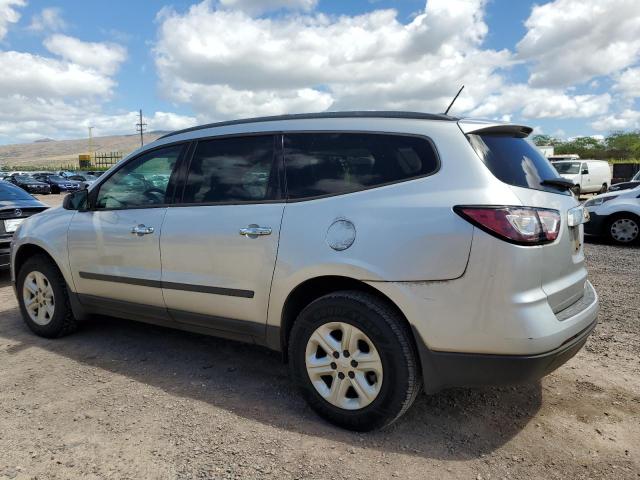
(515, 161)
(319, 164)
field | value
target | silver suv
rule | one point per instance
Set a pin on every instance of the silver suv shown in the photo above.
(380, 252)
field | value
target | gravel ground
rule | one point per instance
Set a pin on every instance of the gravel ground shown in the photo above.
(125, 400)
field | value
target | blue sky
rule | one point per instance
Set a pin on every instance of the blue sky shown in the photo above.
(566, 67)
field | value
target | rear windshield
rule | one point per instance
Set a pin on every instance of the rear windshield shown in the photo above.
(567, 168)
(8, 192)
(515, 161)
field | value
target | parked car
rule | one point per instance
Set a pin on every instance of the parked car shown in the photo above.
(59, 184)
(441, 253)
(591, 176)
(29, 184)
(15, 206)
(615, 215)
(633, 183)
(85, 180)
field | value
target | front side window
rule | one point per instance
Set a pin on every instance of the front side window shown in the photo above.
(333, 163)
(235, 169)
(142, 182)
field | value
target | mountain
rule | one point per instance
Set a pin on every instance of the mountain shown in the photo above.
(52, 153)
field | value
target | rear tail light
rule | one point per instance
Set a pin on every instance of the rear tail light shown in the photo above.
(519, 225)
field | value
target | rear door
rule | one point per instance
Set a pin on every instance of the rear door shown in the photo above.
(515, 161)
(219, 245)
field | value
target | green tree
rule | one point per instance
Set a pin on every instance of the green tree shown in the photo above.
(545, 140)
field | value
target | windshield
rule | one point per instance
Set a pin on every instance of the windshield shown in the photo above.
(9, 192)
(57, 178)
(24, 178)
(567, 168)
(515, 161)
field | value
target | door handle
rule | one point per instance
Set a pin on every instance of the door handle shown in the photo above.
(141, 230)
(255, 231)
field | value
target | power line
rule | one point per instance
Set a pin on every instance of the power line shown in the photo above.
(140, 127)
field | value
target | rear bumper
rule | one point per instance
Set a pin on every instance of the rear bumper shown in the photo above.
(446, 369)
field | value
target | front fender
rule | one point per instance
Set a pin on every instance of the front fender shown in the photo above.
(48, 231)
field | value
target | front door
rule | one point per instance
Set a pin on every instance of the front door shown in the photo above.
(114, 248)
(219, 246)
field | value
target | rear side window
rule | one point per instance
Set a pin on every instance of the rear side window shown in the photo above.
(237, 169)
(515, 161)
(333, 163)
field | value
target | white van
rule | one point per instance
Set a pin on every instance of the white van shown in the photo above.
(592, 176)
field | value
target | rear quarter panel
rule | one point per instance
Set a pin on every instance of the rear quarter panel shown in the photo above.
(405, 232)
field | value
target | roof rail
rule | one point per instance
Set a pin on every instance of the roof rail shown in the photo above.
(306, 116)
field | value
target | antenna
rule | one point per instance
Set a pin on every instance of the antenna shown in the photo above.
(454, 99)
(140, 128)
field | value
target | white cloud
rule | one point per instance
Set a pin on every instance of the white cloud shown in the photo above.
(571, 41)
(102, 57)
(50, 19)
(628, 83)
(226, 64)
(625, 120)
(261, 6)
(9, 14)
(26, 118)
(40, 77)
(542, 103)
(170, 121)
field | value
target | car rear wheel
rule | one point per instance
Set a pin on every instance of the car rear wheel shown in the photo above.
(43, 298)
(624, 229)
(604, 188)
(353, 358)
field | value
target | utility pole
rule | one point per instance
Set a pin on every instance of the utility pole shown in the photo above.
(140, 128)
(91, 141)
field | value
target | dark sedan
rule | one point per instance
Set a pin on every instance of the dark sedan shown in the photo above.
(29, 184)
(15, 206)
(59, 184)
(633, 183)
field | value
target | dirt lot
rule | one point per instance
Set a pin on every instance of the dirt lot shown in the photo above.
(125, 400)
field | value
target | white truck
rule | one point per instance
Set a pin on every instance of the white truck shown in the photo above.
(592, 176)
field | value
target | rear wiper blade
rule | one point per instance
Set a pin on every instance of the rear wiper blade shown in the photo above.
(559, 182)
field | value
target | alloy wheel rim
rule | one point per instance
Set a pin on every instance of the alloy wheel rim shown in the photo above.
(39, 300)
(343, 365)
(624, 230)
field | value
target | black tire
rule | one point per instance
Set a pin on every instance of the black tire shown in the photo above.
(62, 322)
(623, 216)
(604, 188)
(391, 338)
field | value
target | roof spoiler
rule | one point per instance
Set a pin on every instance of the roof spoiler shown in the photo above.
(480, 126)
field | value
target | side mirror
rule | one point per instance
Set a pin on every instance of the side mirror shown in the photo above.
(585, 171)
(76, 201)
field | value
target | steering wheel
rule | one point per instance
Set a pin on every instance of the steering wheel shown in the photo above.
(152, 194)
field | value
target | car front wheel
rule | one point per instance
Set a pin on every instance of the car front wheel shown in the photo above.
(353, 358)
(43, 298)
